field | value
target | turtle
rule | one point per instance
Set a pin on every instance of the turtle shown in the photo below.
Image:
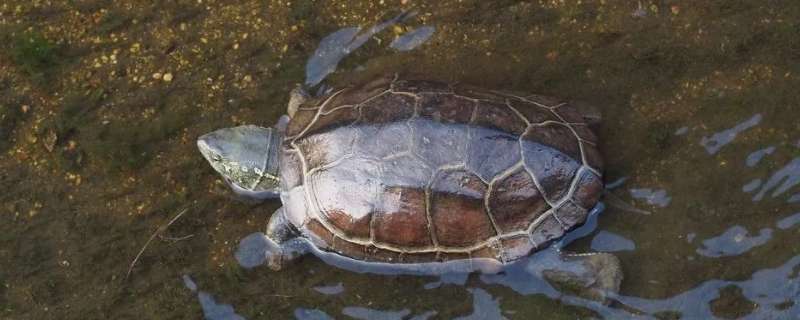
(418, 174)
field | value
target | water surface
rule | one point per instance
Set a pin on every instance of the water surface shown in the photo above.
(100, 106)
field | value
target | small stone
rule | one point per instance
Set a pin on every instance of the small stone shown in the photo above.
(50, 140)
(25, 108)
(167, 77)
(157, 75)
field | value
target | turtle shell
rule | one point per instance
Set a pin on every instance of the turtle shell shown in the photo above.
(414, 171)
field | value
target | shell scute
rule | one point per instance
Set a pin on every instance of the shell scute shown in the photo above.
(445, 108)
(556, 136)
(552, 169)
(515, 202)
(388, 108)
(499, 116)
(546, 231)
(457, 209)
(401, 218)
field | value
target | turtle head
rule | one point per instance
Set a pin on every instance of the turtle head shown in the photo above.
(247, 157)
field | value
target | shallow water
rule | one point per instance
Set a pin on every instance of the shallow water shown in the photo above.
(699, 133)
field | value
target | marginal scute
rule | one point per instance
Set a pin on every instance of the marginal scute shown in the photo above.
(445, 108)
(418, 257)
(543, 100)
(515, 202)
(585, 133)
(380, 141)
(337, 144)
(516, 247)
(556, 136)
(299, 122)
(499, 116)
(439, 144)
(492, 251)
(569, 114)
(593, 157)
(570, 215)
(345, 194)
(401, 219)
(532, 112)
(477, 93)
(354, 250)
(418, 86)
(457, 209)
(552, 169)
(546, 231)
(376, 254)
(387, 108)
(355, 95)
(450, 256)
(337, 118)
(485, 149)
(588, 190)
(321, 236)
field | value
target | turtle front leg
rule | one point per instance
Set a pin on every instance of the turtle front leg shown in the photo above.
(283, 247)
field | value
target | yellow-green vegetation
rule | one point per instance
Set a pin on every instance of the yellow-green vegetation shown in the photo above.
(101, 103)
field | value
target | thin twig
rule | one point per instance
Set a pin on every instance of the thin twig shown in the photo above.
(174, 239)
(159, 230)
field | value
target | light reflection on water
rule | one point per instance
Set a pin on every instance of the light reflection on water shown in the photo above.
(734, 241)
(769, 288)
(720, 139)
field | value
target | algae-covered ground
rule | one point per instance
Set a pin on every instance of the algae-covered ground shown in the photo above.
(101, 103)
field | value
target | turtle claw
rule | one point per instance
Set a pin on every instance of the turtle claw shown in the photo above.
(595, 276)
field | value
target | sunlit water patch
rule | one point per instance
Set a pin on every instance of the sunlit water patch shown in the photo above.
(212, 310)
(311, 314)
(656, 197)
(720, 139)
(755, 157)
(734, 241)
(412, 39)
(330, 290)
(788, 222)
(611, 242)
(781, 180)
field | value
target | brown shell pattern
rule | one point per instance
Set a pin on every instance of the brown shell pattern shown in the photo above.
(410, 171)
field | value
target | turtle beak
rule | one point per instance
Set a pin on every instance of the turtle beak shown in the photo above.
(208, 148)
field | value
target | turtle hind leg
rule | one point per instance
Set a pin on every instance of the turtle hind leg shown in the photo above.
(283, 247)
(596, 276)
